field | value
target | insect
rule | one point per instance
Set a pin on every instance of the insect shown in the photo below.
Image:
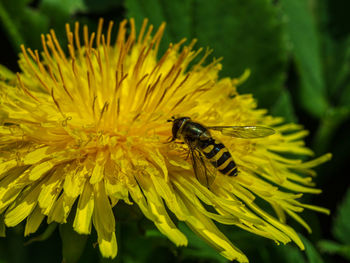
(203, 148)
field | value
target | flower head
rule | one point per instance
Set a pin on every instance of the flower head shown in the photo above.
(91, 128)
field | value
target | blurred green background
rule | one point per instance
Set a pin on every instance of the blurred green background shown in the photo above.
(298, 52)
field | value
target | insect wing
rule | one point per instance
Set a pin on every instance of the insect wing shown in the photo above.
(246, 132)
(202, 169)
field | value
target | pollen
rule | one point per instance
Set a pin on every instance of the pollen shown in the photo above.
(88, 128)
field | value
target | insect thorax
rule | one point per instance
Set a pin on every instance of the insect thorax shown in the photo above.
(193, 131)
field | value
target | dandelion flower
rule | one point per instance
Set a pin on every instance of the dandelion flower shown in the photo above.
(89, 128)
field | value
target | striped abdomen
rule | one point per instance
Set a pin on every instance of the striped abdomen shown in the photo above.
(219, 156)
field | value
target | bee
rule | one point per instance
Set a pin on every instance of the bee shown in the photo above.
(208, 154)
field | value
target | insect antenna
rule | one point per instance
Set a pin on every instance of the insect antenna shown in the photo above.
(172, 119)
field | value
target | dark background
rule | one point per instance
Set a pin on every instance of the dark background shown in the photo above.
(298, 52)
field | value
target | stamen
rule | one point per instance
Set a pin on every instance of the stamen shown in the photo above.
(52, 47)
(142, 30)
(32, 67)
(91, 42)
(63, 81)
(178, 103)
(26, 91)
(86, 38)
(109, 33)
(58, 46)
(56, 103)
(46, 52)
(93, 104)
(38, 62)
(158, 36)
(104, 109)
(99, 31)
(121, 35)
(106, 56)
(77, 38)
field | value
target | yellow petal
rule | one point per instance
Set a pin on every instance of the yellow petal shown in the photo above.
(39, 170)
(61, 209)
(33, 221)
(51, 188)
(299, 220)
(206, 229)
(24, 207)
(158, 159)
(97, 172)
(104, 222)
(8, 195)
(103, 217)
(140, 200)
(156, 207)
(74, 180)
(317, 161)
(82, 220)
(36, 156)
(7, 165)
(108, 246)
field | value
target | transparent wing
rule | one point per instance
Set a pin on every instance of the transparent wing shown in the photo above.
(203, 170)
(246, 132)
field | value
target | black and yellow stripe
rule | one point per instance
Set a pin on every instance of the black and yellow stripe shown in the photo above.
(219, 156)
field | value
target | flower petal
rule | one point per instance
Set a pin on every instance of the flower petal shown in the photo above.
(108, 246)
(82, 220)
(51, 189)
(156, 207)
(206, 229)
(33, 221)
(103, 217)
(23, 207)
(104, 222)
(61, 209)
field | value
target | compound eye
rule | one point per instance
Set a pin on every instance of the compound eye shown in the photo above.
(176, 128)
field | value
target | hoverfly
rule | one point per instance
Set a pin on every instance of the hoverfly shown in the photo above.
(203, 148)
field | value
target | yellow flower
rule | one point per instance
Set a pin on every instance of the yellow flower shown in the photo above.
(90, 128)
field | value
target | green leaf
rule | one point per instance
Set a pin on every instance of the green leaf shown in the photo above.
(290, 254)
(9, 26)
(341, 226)
(24, 24)
(140, 241)
(332, 247)
(17, 18)
(73, 244)
(104, 6)
(339, 17)
(253, 41)
(65, 7)
(305, 44)
(329, 124)
(59, 12)
(284, 107)
(337, 65)
(312, 254)
(151, 9)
